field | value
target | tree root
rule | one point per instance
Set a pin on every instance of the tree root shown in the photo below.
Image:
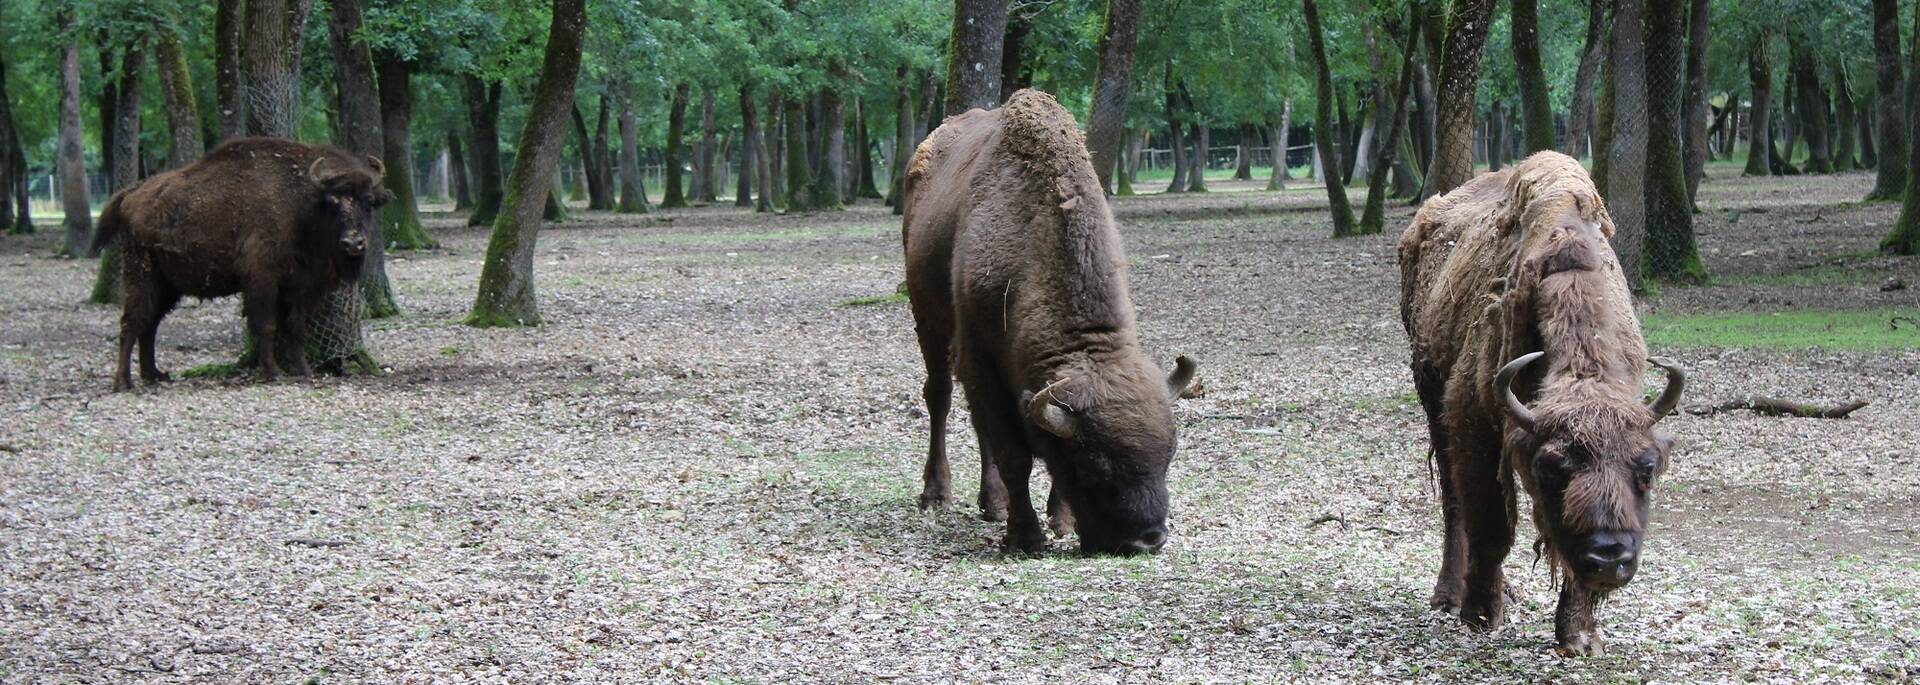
(1768, 406)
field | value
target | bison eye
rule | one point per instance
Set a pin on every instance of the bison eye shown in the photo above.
(1549, 471)
(1643, 468)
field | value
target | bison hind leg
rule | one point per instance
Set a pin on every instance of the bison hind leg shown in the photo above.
(163, 303)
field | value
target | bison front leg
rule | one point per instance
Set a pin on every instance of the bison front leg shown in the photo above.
(1574, 625)
(1059, 513)
(1431, 384)
(263, 320)
(1003, 439)
(293, 329)
(1485, 508)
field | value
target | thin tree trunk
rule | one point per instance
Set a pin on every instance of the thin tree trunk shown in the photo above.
(457, 173)
(1863, 117)
(72, 162)
(1278, 139)
(1495, 133)
(1812, 108)
(1466, 36)
(709, 181)
(1890, 174)
(764, 163)
(1536, 109)
(1426, 124)
(1343, 223)
(676, 130)
(1373, 218)
(633, 188)
(1111, 87)
(1175, 138)
(230, 100)
(1696, 110)
(749, 150)
(9, 170)
(777, 146)
(1013, 72)
(1760, 77)
(483, 128)
(506, 295)
(1843, 124)
(601, 164)
(903, 146)
(176, 88)
(973, 65)
(1129, 163)
(1580, 114)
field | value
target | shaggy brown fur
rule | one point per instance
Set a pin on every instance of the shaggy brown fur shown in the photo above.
(1509, 264)
(1019, 287)
(281, 222)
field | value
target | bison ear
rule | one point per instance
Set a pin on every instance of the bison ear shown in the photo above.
(379, 168)
(1049, 416)
(1183, 368)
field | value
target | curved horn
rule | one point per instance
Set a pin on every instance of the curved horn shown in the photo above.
(379, 168)
(1670, 397)
(1503, 382)
(1049, 415)
(1177, 381)
(313, 172)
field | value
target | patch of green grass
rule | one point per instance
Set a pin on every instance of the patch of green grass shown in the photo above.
(890, 298)
(214, 370)
(1882, 329)
(450, 351)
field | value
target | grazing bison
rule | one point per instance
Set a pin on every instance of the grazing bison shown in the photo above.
(1019, 287)
(280, 222)
(1528, 359)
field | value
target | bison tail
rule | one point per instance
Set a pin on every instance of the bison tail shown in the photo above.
(112, 223)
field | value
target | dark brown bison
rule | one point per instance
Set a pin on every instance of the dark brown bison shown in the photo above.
(280, 222)
(1019, 287)
(1528, 360)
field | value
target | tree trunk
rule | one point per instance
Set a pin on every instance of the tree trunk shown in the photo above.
(229, 90)
(676, 130)
(1904, 239)
(633, 188)
(749, 148)
(1670, 251)
(1890, 175)
(1760, 76)
(1863, 118)
(1627, 184)
(273, 40)
(1243, 153)
(583, 147)
(1129, 162)
(506, 296)
(709, 181)
(832, 178)
(1466, 36)
(9, 170)
(1345, 139)
(1812, 108)
(400, 218)
(176, 88)
(1580, 114)
(1278, 139)
(777, 146)
(601, 163)
(1843, 124)
(361, 133)
(1373, 218)
(1426, 124)
(72, 162)
(903, 146)
(867, 188)
(799, 172)
(1343, 224)
(457, 173)
(1696, 110)
(1111, 86)
(1197, 164)
(1536, 109)
(764, 163)
(483, 128)
(1177, 141)
(1495, 137)
(124, 171)
(973, 64)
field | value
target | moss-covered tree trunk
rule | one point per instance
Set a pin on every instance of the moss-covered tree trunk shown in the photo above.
(483, 146)
(506, 296)
(1466, 37)
(1904, 239)
(400, 218)
(1670, 251)
(1343, 223)
(676, 129)
(1760, 81)
(1536, 108)
(1889, 102)
(176, 89)
(1201, 134)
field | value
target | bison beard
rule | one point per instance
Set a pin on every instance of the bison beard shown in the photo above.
(1528, 357)
(280, 222)
(1019, 288)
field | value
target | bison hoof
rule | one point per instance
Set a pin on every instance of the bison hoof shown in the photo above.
(932, 500)
(155, 378)
(122, 385)
(1445, 601)
(990, 513)
(1482, 615)
(1060, 524)
(1024, 541)
(1583, 644)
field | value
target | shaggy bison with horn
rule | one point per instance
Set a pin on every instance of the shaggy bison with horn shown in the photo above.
(1019, 287)
(280, 222)
(1528, 360)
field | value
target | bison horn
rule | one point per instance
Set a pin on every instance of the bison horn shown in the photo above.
(1503, 382)
(1049, 415)
(379, 168)
(313, 172)
(1177, 381)
(1670, 397)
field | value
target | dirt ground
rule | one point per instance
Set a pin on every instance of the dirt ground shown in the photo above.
(703, 469)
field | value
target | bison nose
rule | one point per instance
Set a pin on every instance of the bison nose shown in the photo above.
(354, 245)
(1611, 557)
(1150, 541)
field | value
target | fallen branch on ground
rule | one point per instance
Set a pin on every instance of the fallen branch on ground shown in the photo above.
(1768, 406)
(309, 542)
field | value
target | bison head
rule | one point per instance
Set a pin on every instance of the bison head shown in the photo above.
(1107, 441)
(1588, 463)
(351, 198)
